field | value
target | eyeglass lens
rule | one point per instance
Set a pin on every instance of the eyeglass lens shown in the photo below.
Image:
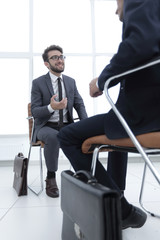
(55, 57)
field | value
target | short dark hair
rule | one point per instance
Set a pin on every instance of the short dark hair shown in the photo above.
(48, 49)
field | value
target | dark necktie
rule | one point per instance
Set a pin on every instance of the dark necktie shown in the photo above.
(60, 98)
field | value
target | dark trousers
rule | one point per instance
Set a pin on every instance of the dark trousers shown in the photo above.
(117, 168)
(71, 138)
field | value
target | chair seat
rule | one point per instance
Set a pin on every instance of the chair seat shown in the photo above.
(147, 140)
(38, 143)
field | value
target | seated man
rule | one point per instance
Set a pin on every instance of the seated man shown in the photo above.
(138, 101)
(52, 111)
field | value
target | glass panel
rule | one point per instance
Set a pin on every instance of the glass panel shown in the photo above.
(101, 103)
(14, 96)
(38, 67)
(65, 23)
(101, 62)
(80, 68)
(108, 28)
(14, 25)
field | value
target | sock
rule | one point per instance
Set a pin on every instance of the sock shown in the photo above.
(51, 175)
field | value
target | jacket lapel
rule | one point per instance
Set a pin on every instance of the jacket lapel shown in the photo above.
(66, 85)
(50, 87)
(49, 84)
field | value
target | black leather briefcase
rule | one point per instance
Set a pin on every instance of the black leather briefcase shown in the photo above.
(90, 211)
(20, 174)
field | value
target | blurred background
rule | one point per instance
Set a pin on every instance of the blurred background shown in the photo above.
(89, 33)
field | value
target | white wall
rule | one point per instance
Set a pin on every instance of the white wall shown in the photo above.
(11, 145)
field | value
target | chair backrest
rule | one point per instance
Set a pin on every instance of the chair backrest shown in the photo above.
(30, 121)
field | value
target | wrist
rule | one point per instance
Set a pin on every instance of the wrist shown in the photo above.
(50, 109)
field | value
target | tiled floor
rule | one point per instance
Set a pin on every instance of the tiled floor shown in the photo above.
(40, 218)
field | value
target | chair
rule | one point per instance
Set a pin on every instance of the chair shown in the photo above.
(37, 144)
(144, 144)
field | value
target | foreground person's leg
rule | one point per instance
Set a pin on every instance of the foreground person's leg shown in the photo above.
(71, 138)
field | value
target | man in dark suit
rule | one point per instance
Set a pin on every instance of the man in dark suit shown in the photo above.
(139, 97)
(48, 107)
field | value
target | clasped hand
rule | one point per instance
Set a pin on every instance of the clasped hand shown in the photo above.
(58, 105)
(94, 90)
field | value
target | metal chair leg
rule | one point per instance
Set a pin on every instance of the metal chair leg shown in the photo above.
(41, 169)
(141, 194)
(32, 188)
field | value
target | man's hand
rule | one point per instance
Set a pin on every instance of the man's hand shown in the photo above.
(94, 90)
(58, 105)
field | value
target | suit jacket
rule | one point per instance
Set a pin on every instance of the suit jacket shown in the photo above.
(139, 99)
(41, 93)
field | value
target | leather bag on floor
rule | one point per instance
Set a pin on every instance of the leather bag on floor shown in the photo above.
(20, 174)
(90, 211)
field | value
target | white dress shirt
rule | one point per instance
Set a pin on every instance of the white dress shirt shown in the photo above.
(55, 116)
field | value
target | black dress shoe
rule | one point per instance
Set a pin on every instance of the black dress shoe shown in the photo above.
(136, 218)
(51, 188)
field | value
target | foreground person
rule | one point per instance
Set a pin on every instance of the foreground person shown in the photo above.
(140, 43)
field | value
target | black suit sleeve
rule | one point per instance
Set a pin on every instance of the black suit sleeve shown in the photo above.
(140, 38)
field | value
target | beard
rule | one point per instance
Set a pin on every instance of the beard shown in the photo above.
(56, 69)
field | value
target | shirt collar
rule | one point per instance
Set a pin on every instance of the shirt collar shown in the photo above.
(54, 77)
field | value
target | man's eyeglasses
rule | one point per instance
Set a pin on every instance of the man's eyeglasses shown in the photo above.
(56, 58)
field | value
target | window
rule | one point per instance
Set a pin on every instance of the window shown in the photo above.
(14, 77)
(84, 28)
(66, 22)
(14, 25)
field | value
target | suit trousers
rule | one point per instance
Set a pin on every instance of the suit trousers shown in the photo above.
(117, 168)
(71, 139)
(48, 135)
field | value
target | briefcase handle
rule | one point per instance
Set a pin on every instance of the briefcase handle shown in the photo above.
(20, 154)
(85, 176)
